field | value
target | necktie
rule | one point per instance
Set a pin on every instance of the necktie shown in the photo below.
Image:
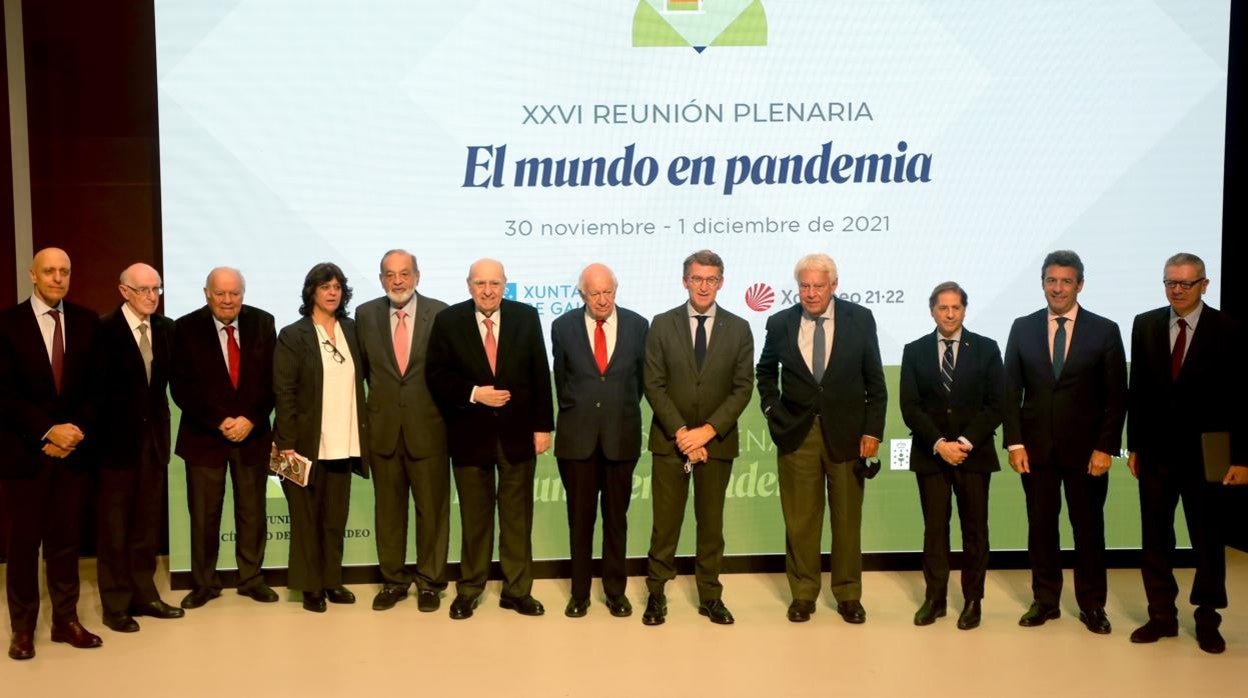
(1059, 347)
(491, 345)
(1176, 354)
(58, 349)
(946, 366)
(235, 356)
(145, 350)
(820, 350)
(699, 341)
(600, 347)
(402, 343)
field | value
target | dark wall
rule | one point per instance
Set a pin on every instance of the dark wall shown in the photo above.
(8, 278)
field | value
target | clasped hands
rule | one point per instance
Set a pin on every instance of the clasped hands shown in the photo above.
(692, 442)
(235, 428)
(62, 439)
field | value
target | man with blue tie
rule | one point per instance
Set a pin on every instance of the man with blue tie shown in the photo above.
(1066, 399)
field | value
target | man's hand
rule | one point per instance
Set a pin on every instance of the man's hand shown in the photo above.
(688, 440)
(1237, 475)
(238, 430)
(541, 441)
(487, 395)
(698, 455)
(55, 451)
(1133, 464)
(1019, 462)
(1099, 463)
(65, 436)
(868, 446)
(954, 452)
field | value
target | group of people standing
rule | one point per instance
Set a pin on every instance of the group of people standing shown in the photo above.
(412, 391)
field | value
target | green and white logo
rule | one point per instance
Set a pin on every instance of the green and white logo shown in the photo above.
(699, 23)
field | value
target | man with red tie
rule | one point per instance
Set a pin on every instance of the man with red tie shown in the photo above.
(600, 353)
(488, 373)
(45, 391)
(222, 379)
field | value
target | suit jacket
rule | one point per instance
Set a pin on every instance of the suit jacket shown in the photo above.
(851, 398)
(28, 397)
(972, 408)
(298, 389)
(682, 395)
(400, 405)
(200, 383)
(596, 408)
(1167, 417)
(1062, 420)
(457, 362)
(131, 408)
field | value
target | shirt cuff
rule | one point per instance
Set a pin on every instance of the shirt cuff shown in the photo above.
(966, 442)
(1014, 447)
(472, 396)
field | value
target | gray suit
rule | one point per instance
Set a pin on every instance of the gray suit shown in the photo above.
(682, 394)
(408, 446)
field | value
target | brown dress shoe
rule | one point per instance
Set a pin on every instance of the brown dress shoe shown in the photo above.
(76, 635)
(22, 646)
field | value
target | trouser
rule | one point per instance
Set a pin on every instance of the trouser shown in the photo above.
(936, 492)
(205, 495)
(318, 524)
(670, 488)
(428, 480)
(131, 500)
(512, 495)
(586, 481)
(1085, 497)
(1160, 491)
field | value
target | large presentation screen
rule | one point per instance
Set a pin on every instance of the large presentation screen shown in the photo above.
(915, 142)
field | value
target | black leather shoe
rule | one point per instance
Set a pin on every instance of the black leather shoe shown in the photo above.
(121, 623)
(970, 616)
(1154, 630)
(930, 611)
(314, 601)
(852, 612)
(716, 611)
(576, 608)
(525, 605)
(388, 597)
(75, 636)
(462, 606)
(1209, 639)
(1038, 615)
(656, 610)
(619, 606)
(22, 646)
(259, 591)
(800, 611)
(1096, 621)
(156, 609)
(339, 595)
(199, 597)
(428, 600)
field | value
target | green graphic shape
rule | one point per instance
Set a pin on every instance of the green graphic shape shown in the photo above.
(718, 23)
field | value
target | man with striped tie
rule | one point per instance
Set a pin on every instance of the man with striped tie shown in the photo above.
(952, 388)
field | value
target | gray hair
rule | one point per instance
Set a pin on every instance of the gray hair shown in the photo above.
(241, 281)
(1183, 258)
(817, 261)
(382, 264)
(580, 280)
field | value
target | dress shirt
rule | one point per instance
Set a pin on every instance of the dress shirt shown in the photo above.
(940, 362)
(134, 322)
(709, 323)
(224, 338)
(609, 327)
(47, 326)
(1070, 329)
(1192, 318)
(806, 336)
(409, 315)
(497, 317)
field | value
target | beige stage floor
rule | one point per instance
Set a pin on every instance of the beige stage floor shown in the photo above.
(234, 646)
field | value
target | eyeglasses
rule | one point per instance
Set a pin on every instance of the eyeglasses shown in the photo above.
(146, 290)
(333, 351)
(1185, 285)
(704, 280)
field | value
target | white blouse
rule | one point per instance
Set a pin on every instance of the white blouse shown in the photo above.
(340, 426)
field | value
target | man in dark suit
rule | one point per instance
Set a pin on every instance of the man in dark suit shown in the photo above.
(45, 377)
(821, 387)
(1186, 372)
(698, 379)
(599, 359)
(133, 357)
(407, 435)
(488, 373)
(1066, 395)
(222, 379)
(952, 388)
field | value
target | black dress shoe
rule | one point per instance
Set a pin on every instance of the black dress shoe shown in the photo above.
(576, 608)
(800, 611)
(970, 616)
(1038, 615)
(619, 606)
(121, 623)
(1209, 639)
(656, 610)
(259, 591)
(340, 595)
(199, 597)
(76, 636)
(852, 612)
(525, 605)
(388, 597)
(930, 611)
(462, 606)
(428, 600)
(1096, 621)
(1154, 630)
(156, 609)
(314, 601)
(716, 611)
(22, 646)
